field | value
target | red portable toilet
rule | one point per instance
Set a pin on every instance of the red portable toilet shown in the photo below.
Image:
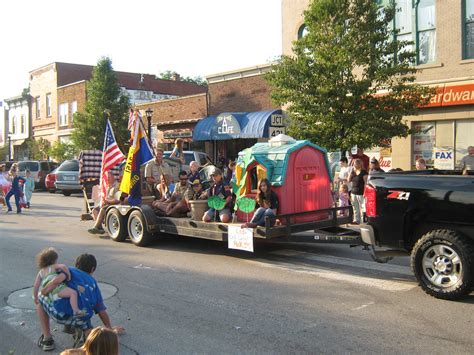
(298, 172)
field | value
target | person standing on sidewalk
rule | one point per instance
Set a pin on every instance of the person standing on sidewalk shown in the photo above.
(467, 162)
(358, 178)
(28, 188)
(15, 190)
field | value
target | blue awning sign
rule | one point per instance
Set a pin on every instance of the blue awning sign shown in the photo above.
(238, 125)
(227, 124)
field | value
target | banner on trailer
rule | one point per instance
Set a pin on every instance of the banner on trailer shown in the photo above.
(240, 238)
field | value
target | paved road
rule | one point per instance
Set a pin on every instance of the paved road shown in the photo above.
(194, 296)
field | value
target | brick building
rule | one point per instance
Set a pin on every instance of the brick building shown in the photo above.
(242, 97)
(59, 89)
(443, 34)
(176, 118)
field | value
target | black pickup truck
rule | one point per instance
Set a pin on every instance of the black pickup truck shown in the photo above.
(431, 215)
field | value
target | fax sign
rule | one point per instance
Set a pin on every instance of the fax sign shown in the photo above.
(444, 155)
(443, 158)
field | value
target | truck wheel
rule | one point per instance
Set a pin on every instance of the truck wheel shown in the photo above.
(67, 193)
(137, 229)
(115, 224)
(443, 263)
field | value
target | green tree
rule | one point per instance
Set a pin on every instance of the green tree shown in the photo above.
(38, 149)
(170, 75)
(333, 81)
(103, 95)
(62, 151)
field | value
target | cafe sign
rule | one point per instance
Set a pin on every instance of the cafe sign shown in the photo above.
(227, 124)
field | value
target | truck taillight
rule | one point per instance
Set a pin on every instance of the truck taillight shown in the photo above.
(370, 195)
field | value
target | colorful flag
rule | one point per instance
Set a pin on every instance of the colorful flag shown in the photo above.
(111, 156)
(139, 154)
(134, 115)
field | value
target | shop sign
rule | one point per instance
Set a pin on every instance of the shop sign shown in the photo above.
(381, 154)
(443, 158)
(451, 95)
(171, 135)
(240, 238)
(385, 163)
(227, 124)
(275, 131)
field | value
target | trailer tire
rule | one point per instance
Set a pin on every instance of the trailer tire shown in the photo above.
(443, 263)
(137, 229)
(116, 226)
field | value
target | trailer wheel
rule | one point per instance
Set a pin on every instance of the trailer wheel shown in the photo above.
(443, 263)
(115, 224)
(137, 229)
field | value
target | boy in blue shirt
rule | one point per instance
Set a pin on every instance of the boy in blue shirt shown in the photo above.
(15, 190)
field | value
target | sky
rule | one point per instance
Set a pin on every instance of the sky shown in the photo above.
(193, 38)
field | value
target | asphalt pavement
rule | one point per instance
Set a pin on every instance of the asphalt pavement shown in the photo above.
(184, 295)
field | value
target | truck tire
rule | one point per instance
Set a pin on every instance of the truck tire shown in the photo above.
(443, 263)
(115, 225)
(67, 193)
(137, 229)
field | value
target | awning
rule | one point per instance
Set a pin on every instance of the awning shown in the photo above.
(237, 125)
(18, 142)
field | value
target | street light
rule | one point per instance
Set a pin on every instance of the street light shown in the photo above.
(149, 114)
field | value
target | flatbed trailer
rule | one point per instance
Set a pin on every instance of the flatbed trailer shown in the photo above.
(142, 225)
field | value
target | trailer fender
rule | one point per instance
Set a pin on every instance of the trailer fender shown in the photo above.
(150, 217)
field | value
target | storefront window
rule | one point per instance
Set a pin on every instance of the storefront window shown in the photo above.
(424, 141)
(451, 136)
(464, 138)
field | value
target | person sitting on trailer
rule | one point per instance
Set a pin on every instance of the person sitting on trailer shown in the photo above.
(193, 193)
(112, 197)
(167, 207)
(267, 205)
(154, 171)
(194, 171)
(219, 189)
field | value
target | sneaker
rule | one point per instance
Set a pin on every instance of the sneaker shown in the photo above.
(46, 344)
(96, 231)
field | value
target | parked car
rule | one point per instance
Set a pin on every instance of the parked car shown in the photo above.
(50, 180)
(192, 155)
(67, 177)
(38, 168)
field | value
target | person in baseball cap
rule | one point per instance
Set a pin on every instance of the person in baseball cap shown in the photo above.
(219, 189)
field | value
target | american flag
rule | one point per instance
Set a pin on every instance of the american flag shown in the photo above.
(132, 117)
(111, 156)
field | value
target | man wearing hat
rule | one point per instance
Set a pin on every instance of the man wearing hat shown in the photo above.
(218, 189)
